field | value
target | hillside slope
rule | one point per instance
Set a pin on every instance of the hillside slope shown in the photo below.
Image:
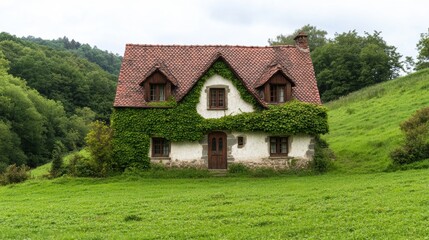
(364, 126)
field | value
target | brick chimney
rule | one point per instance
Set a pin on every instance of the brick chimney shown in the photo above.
(301, 40)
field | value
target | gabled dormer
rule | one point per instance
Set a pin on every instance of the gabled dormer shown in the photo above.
(275, 85)
(158, 84)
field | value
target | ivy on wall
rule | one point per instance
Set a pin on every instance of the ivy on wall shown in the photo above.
(180, 122)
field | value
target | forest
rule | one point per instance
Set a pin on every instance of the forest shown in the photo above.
(49, 95)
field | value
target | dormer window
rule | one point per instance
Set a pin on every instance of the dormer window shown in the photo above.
(277, 93)
(157, 92)
(157, 87)
(278, 89)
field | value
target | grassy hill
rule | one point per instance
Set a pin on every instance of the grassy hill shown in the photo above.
(366, 206)
(364, 126)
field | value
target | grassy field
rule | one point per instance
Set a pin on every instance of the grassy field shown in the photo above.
(364, 126)
(383, 206)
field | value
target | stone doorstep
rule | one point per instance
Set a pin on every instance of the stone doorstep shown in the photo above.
(218, 172)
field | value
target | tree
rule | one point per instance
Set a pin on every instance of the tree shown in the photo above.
(57, 159)
(423, 48)
(316, 37)
(350, 62)
(99, 142)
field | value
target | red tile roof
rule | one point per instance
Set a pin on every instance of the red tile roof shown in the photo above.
(184, 65)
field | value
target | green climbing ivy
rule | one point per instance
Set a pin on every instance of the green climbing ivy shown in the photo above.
(179, 122)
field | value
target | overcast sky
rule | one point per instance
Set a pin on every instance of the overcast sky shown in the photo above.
(111, 24)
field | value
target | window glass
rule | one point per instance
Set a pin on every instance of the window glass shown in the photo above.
(214, 144)
(220, 144)
(160, 147)
(161, 93)
(217, 98)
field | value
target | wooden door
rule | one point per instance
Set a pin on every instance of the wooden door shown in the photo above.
(217, 150)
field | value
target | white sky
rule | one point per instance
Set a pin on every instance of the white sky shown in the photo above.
(111, 24)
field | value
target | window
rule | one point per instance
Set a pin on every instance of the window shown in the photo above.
(240, 142)
(217, 98)
(157, 92)
(277, 93)
(160, 147)
(278, 146)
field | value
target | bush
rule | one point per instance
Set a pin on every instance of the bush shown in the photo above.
(14, 174)
(323, 156)
(80, 166)
(416, 145)
(238, 168)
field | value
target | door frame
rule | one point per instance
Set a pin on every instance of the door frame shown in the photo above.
(211, 164)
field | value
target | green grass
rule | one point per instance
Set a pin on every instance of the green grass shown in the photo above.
(364, 126)
(381, 205)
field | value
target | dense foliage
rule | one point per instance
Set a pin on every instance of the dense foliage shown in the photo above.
(14, 174)
(60, 75)
(99, 145)
(423, 48)
(416, 145)
(30, 124)
(348, 62)
(134, 127)
(106, 60)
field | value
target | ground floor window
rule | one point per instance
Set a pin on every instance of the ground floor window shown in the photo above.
(160, 147)
(278, 146)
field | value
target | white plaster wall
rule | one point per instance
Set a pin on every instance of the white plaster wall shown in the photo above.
(299, 146)
(256, 147)
(236, 105)
(186, 151)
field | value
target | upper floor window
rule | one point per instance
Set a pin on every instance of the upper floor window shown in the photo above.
(160, 147)
(277, 93)
(279, 146)
(157, 92)
(217, 98)
(278, 89)
(157, 87)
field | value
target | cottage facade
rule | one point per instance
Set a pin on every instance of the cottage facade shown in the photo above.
(152, 75)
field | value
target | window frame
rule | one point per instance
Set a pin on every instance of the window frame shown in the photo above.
(276, 91)
(218, 97)
(278, 140)
(163, 145)
(222, 88)
(155, 92)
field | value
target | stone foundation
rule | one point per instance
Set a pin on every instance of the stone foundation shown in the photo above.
(274, 163)
(278, 163)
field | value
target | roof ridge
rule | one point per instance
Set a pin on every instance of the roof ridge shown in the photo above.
(210, 45)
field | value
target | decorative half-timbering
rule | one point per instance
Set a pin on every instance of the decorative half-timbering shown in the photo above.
(210, 106)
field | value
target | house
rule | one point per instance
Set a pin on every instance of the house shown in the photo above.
(203, 105)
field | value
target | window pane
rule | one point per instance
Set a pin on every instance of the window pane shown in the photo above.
(281, 93)
(152, 92)
(284, 147)
(221, 97)
(273, 93)
(165, 150)
(161, 93)
(273, 145)
(220, 144)
(214, 144)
